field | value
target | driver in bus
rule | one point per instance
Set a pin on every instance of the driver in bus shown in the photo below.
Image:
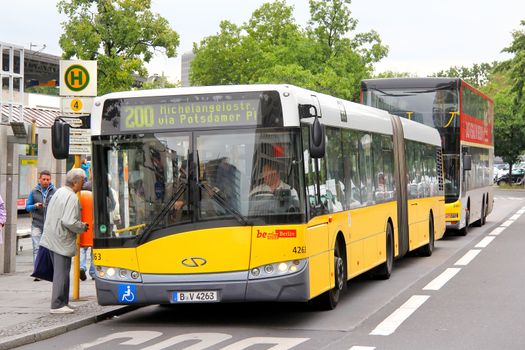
(272, 182)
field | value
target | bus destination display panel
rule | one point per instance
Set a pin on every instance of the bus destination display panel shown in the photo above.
(154, 114)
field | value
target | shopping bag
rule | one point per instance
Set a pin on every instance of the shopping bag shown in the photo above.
(43, 265)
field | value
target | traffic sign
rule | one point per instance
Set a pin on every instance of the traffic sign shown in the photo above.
(79, 134)
(78, 78)
(81, 105)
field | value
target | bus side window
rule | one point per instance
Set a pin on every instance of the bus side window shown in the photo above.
(351, 152)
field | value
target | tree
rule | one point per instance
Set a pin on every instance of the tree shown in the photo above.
(512, 102)
(478, 75)
(120, 34)
(392, 74)
(515, 68)
(271, 48)
(509, 129)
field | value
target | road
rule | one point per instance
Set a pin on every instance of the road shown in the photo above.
(467, 295)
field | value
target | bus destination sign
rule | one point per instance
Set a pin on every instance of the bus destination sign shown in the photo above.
(184, 114)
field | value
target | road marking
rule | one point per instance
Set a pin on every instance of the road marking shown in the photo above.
(485, 242)
(497, 231)
(279, 343)
(468, 257)
(205, 340)
(357, 347)
(390, 324)
(515, 216)
(442, 279)
(507, 223)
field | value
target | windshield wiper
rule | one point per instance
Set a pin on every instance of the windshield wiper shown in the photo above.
(165, 210)
(215, 194)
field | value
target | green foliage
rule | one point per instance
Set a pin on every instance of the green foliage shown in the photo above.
(509, 128)
(120, 34)
(478, 75)
(510, 102)
(391, 74)
(515, 69)
(271, 48)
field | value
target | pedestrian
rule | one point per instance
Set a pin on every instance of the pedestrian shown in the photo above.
(62, 224)
(37, 204)
(3, 219)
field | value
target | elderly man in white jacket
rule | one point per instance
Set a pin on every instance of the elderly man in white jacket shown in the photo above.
(61, 227)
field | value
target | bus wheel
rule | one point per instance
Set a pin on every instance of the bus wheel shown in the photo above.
(427, 250)
(384, 270)
(329, 300)
(464, 230)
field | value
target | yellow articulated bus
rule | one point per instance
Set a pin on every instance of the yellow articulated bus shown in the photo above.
(255, 193)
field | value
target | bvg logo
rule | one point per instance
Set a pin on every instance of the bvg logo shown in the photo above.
(76, 77)
(261, 234)
(194, 261)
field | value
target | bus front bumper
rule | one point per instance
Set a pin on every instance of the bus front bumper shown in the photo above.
(230, 287)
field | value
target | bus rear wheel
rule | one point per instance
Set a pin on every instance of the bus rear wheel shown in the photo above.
(330, 299)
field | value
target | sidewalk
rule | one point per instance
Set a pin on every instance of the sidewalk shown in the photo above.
(25, 304)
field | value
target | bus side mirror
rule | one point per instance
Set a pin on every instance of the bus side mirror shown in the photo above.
(60, 139)
(317, 140)
(467, 162)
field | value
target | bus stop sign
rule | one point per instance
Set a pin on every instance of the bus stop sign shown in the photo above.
(78, 78)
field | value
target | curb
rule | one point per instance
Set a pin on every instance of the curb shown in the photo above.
(50, 332)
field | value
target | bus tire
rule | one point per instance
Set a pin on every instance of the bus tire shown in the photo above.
(427, 249)
(330, 299)
(384, 270)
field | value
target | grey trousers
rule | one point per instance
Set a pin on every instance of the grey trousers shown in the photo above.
(61, 269)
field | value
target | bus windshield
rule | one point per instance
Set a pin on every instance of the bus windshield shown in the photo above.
(163, 181)
(432, 107)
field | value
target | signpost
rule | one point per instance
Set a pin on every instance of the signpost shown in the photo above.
(78, 85)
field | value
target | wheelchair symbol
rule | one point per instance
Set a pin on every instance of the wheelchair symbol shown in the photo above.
(127, 293)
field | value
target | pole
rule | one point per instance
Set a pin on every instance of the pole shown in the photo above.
(33, 137)
(76, 265)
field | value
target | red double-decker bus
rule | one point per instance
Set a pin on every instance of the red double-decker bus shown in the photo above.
(464, 117)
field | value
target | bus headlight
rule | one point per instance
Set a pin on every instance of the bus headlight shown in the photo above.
(277, 269)
(118, 274)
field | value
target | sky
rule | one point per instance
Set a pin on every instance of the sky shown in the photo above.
(423, 36)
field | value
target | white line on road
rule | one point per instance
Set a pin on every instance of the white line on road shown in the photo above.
(357, 347)
(468, 257)
(485, 242)
(507, 223)
(440, 280)
(515, 216)
(390, 324)
(497, 231)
